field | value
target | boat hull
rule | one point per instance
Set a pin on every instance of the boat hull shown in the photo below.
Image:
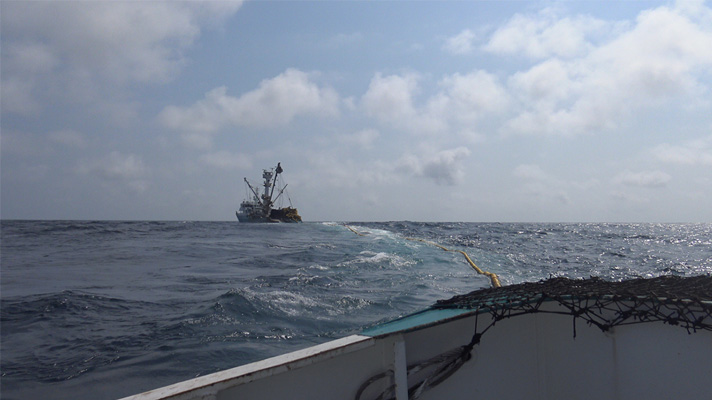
(533, 356)
(287, 214)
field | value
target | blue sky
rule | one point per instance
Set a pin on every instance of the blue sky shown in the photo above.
(400, 110)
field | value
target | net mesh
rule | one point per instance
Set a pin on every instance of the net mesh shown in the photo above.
(681, 301)
(684, 301)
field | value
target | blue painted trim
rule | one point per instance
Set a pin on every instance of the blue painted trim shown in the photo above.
(418, 320)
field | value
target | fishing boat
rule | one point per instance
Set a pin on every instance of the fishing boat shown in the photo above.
(554, 339)
(260, 208)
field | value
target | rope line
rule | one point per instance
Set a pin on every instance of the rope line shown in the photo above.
(354, 230)
(494, 279)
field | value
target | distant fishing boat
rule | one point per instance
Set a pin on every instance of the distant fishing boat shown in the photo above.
(556, 339)
(261, 208)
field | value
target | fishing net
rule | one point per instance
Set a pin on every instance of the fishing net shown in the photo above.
(680, 301)
(684, 301)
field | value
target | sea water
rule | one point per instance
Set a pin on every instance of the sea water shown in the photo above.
(102, 310)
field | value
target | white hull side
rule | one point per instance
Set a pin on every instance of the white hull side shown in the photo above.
(533, 356)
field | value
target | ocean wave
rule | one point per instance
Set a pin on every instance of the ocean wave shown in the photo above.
(90, 310)
(70, 333)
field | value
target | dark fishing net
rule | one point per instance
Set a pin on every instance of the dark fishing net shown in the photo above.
(681, 301)
(684, 301)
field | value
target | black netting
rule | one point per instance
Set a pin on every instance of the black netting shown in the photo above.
(682, 301)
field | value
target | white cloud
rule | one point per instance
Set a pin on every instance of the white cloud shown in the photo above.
(546, 35)
(327, 169)
(227, 160)
(390, 99)
(542, 185)
(444, 167)
(127, 169)
(118, 166)
(206, 115)
(619, 196)
(461, 43)
(642, 179)
(465, 98)
(140, 41)
(530, 172)
(197, 140)
(76, 48)
(276, 102)
(546, 83)
(696, 152)
(662, 57)
(363, 138)
(461, 101)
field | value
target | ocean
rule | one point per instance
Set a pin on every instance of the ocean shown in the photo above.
(102, 310)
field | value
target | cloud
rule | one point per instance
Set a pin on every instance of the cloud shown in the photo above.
(127, 169)
(662, 57)
(17, 96)
(530, 172)
(643, 179)
(546, 35)
(363, 138)
(465, 98)
(696, 152)
(461, 43)
(69, 138)
(327, 169)
(116, 166)
(227, 160)
(389, 99)
(444, 167)
(545, 84)
(461, 100)
(542, 185)
(77, 48)
(276, 102)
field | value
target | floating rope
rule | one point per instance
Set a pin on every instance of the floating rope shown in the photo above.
(354, 230)
(493, 277)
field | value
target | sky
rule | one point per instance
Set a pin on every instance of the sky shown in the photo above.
(477, 111)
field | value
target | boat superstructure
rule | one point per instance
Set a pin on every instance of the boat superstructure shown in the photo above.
(260, 208)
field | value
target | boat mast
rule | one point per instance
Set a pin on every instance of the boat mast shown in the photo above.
(267, 197)
(277, 171)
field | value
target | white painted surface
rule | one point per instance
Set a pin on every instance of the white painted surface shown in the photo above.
(260, 373)
(533, 356)
(400, 368)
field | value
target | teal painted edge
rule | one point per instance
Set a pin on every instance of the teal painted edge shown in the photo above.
(413, 321)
